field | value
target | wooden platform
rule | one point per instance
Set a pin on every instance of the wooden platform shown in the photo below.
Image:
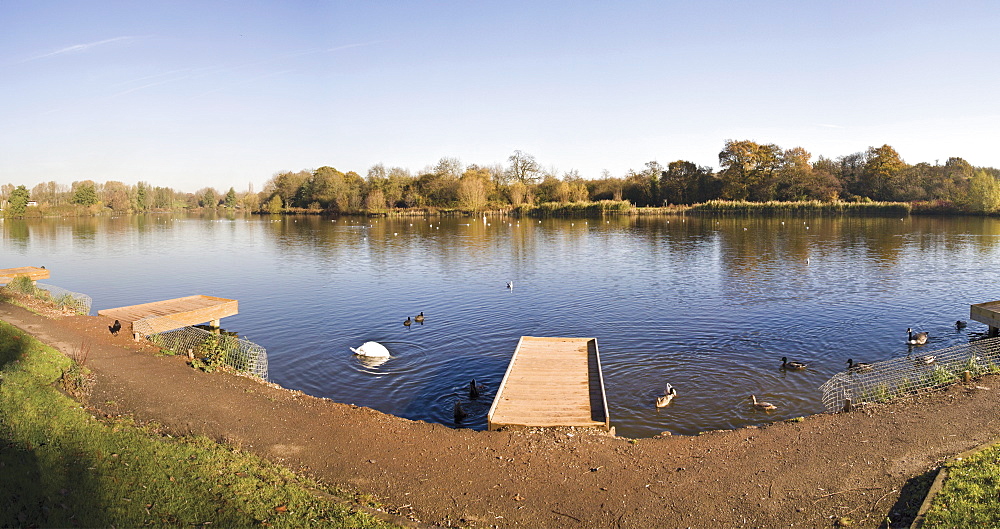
(552, 382)
(988, 313)
(33, 272)
(167, 315)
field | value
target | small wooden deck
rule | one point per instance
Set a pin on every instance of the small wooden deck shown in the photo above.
(167, 315)
(988, 313)
(33, 272)
(552, 382)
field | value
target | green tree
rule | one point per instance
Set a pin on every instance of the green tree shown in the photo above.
(85, 194)
(686, 183)
(274, 205)
(17, 204)
(142, 196)
(984, 193)
(231, 198)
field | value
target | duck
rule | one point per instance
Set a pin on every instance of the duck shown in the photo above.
(766, 406)
(796, 366)
(919, 338)
(668, 395)
(419, 318)
(117, 326)
(860, 366)
(960, 324)
(408, 322)
(371, 349)
(924, 360)
(460, 414)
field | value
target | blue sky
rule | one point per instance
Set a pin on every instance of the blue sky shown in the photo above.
(225, 94)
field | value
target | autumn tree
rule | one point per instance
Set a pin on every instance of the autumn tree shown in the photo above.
(882, 166)
(523, 168)
(686, 183)
(748, 170)
(984, 193)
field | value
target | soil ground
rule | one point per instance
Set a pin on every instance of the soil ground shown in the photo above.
(870, 465)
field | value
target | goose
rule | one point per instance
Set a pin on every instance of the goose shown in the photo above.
(668, 395)
(115, 328)
(796, 366)
(860, 366)
(371, 349)
(408, 321)
(460, 414)
(960, 324)
(766, 406)
(419, 318)
(919, 338)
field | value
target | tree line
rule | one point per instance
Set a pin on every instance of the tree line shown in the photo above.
(748, 171)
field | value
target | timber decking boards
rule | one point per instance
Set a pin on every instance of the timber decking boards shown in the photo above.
(167, 315)
(988, 313)
(33, 272)
(552, 382)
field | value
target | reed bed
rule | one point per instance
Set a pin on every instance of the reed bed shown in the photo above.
(809, 207)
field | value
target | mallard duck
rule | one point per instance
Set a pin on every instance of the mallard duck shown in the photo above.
(860, 366)
(460, 414)
(919, 338)
(668, 395)
(419, 318)
(475, 389)
(924, 360)
(408, 321)
(785, 364)
(766, 406)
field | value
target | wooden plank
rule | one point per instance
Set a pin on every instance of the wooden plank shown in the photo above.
(550, 382)
(33, 272)
(166, 315)
(988, 313)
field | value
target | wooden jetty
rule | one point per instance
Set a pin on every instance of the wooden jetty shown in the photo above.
(988, 313)
(552, 382)
(167, 315)
(33, 272)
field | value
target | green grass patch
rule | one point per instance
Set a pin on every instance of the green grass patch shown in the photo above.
(62, 467)
(970, 496)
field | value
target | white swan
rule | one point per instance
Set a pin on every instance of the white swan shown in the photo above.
(371, 349)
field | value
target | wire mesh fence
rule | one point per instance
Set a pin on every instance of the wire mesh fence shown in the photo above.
(915, 373)
(65, 299)
(75, 301)
(212, 348)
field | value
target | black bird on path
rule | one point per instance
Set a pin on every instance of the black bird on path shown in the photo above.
(115, 328)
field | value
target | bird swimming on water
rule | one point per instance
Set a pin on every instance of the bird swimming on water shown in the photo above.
(793, 365)
(408, 321)
(419, 318)
(860, 366)
(960, 324)
(668, 395)
(510, 286)
(912, 338)
(766, 406)
(474, 389)
(460, 414)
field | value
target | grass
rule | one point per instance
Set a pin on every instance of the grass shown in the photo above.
(969, 497)
(62, 467)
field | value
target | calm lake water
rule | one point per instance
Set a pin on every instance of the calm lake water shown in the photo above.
(709, 305)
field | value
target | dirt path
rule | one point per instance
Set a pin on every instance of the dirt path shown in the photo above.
(809, 473)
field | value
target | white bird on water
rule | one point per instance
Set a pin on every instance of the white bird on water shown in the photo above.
(371, 349)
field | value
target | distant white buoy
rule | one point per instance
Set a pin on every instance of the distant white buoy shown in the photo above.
(371, 349)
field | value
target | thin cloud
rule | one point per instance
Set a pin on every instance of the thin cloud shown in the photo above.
(76, 48)
(829, 126)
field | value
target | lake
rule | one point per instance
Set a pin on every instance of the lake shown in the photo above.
(708, 304)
